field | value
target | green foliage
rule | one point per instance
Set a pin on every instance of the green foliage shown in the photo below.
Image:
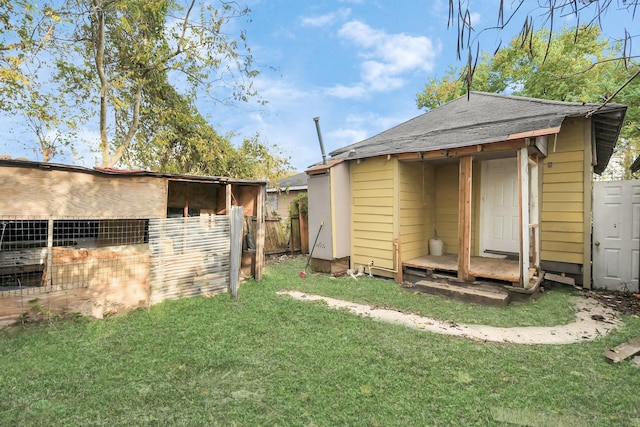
(26, 35)
(299, 205)
(453, 85)
(273, 360)
(121, 62)
(255, 159)
(574, 65)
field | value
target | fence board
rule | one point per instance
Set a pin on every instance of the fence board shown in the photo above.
(237, 219)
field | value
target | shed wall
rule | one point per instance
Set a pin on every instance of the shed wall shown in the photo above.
(320, 213)
(417, 192)
(340, 212)
(446, 206)
(44, 192)
(563, 196)
(373, 191)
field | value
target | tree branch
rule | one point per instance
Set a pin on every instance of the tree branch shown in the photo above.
(591, 113)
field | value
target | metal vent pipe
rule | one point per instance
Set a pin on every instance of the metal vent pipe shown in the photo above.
(324, 156)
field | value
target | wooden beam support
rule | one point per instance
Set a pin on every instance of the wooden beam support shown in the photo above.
(227, 199)
(486, 148)
(535, 133)
(260, 231)
(185, 209)
(464, 218)
(410, 156)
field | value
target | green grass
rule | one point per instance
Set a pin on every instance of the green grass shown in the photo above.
(553, 309)
(272, 360)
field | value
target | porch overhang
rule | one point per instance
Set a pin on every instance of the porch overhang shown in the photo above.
(534, 142)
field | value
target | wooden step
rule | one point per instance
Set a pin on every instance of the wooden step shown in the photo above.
(468, 293)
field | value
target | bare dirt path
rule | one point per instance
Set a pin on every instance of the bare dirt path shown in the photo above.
(593, 319)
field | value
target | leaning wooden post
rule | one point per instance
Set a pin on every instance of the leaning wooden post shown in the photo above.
(236, 218)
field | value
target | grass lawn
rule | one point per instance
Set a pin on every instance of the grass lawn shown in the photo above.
(272, 360)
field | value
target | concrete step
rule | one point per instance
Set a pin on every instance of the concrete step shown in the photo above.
(469, 293)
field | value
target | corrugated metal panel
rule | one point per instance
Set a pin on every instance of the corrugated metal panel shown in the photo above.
(189, 256)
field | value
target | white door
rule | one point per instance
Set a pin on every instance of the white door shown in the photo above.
(616, 234)
(499, 231)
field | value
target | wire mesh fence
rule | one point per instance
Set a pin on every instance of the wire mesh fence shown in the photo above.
(38, 255)
(93, 266)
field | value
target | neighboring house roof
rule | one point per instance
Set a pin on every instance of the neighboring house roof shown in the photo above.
(291, 183)
(485, 118)
(635, 166)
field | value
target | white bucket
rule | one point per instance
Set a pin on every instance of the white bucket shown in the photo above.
(435, 247)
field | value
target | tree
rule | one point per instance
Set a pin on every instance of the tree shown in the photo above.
(26, 36)
(453, 85)
(254, 160)
(130, 47)
(183, 142)
(545, 15)
(127, 58)
(581, 67)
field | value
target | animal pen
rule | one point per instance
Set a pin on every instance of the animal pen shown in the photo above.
(98, 241)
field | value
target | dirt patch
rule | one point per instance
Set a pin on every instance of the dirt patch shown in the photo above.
(278, 258)
(593, 320)
(625, 303)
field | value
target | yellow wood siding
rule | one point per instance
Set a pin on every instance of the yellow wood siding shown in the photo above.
(475, 206)
(446, 206)
(372, 210)
(416, 208)
(562, 216)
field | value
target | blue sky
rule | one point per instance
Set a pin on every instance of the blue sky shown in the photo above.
(356, 64)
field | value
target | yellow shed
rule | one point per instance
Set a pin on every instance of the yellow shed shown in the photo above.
(491, 187)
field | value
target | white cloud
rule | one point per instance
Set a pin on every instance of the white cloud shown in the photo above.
(387, 57)
(475, 20)
(348, 135)
(347, 92)
(326, 19)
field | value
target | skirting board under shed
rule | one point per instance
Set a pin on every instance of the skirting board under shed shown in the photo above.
(333, 267)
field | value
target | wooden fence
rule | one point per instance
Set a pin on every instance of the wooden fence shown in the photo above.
(280, 239)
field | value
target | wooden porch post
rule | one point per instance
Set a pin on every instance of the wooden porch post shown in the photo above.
(464, 218)
(523, 208)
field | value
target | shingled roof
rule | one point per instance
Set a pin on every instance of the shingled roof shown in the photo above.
(485, 118)
(291, 183)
